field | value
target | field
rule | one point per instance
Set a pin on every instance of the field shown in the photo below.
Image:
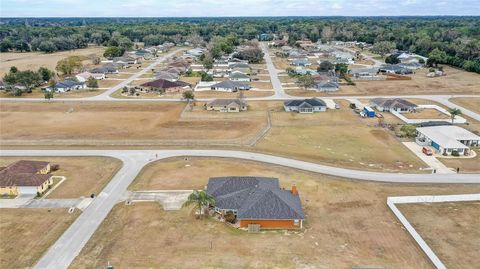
(34, 60)
(348, 224)
(262, 85)
(108, 83)
(450, 229)
(28, 233)
(80, 123)
(198, 94)
(85, 175)
(427, 113)
(338, 137)
(37, 93)
(469, 103)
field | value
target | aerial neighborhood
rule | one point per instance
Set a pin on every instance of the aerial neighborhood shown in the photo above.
(239, 142)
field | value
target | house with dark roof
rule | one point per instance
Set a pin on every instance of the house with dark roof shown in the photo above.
(257, 201)
(166, 76)
(231, 86)
(25, 177)
(392, 104)
(166, 86)
(326, 86)
(67, 85)
(305, 105)
(227, 105)
(109, 68)
(238, 76)
(394, 69)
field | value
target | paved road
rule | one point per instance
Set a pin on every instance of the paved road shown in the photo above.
(444, 100)
(277, 85)
(69, 245)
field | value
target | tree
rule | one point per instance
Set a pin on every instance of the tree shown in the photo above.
(69, 65)
(47, 46)
(252, 55)
(409, 130)
(306, 81)
(201, 200)
(112, 52)
(392, 60)
(207, 62)
(92, 83)
(48, 95)
(188, 95)
(13, 69)
(45, 73)
(341, 69)
(325, 66)
(206, 77)
(383, 47)
(454, 112)
(436, 56)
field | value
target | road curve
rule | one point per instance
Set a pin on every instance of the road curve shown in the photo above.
(68, 246)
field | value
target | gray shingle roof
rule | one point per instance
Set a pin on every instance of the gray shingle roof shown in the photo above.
(229, 84)
(393, 103)
(305, 102)
(255, 198)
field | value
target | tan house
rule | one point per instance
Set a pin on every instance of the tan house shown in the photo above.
(227, 105)
(25, 177)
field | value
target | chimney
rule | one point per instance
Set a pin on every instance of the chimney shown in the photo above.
(294, 190)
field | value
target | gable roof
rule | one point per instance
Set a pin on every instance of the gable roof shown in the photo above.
(226, 102)
(312, 102)
(164, 84)
(238, 74)
(229, 84)
(255, 198)
(68, 83)
(393, 103)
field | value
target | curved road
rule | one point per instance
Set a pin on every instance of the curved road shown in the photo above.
(69, 245)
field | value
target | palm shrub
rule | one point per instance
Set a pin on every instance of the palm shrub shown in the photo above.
(201, 200)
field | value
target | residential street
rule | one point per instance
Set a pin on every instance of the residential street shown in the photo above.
(69, 245)
(277, 85)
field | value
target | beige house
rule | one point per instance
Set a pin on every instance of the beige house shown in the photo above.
(25, 177)
(227, 105)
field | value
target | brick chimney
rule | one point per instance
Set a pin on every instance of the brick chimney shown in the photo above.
(294, 190)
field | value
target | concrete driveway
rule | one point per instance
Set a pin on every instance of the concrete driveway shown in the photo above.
(431, 161)
(169, 199)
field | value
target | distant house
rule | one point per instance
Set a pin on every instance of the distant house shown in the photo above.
(238, 76)
(231, 86)
(393, 104)
(25, 177)
(196, 52)
(227, 105)
(411, 66)
(257, 202)
(84, 76)
(238, 65)
(326, 86)
(305, 105)
(300, 62)
(447, 139)
(109, 68)
(166, 86)
(166, 76)
(363, 72)
(406, 57)
(346, 57)
(67, 85)
(394, 69)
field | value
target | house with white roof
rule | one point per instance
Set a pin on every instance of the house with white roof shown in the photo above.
(447, 139)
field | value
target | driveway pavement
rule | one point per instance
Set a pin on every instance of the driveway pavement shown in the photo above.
(169, 199)
(431, 161)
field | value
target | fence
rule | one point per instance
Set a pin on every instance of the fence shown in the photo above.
(391, 201)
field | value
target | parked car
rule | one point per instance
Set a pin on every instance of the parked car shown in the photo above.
(427, 151)
(353, 106)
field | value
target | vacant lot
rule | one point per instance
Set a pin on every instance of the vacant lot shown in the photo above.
(338, 137)
(85, 175)
(450, 229)
(348, 224)
(37, 93)
(108, 83)
(107, 122)
(198, 94)
(469, 103)
(428, 113)
(34, 60)
(27, 233)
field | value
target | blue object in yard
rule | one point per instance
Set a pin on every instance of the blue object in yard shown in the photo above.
(369, 112)
(435, 145)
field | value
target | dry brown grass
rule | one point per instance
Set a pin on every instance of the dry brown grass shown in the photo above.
(469, 103)
(27, 233)
(35, 60)
(347, 224)
(450, 229)
(427, 113)
(262, 85)
(108, 83)
(471, 165)
(97, 121)
(85, 175)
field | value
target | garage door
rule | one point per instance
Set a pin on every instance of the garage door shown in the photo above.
(27, 190)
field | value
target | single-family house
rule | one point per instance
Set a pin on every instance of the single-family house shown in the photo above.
(84, 76)
(166, 76)
(326, 86)
(363, 72)
(344, 56)
(196, 52)
(394, 69)
(447, 139)
(67, 85)
(166, 86)
(392, 104)
(227, 105)
(238, 76)
(125, 60)
(406, 57)
(300, 62)
(231, 86)
(109, 68)
(257, 202)
(305, 105)
(411, 66)
(25, 177)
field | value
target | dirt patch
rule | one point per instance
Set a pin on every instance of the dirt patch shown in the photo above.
(348, 224)
(450, 229)
(27, 233)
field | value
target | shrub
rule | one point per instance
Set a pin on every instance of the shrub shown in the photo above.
(54, 167)
(230, 217)
(455, 153)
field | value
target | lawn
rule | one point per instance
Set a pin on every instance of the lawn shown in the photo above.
(469, 103)
(262, 85)
(119, 123)
(348, 224)
(35, 60)
(37, 93)
(471, 165)
(427, 113)
(85, 175)
(450, 229)
(108, 83)
(27, 233)
(340, 138)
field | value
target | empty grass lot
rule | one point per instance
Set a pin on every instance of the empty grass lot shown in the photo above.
(428, 113)
(450, 229)
(27, 233)
(37, 93)
(469, 103)
(347, 224)
(85, 175)
(340, 138)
